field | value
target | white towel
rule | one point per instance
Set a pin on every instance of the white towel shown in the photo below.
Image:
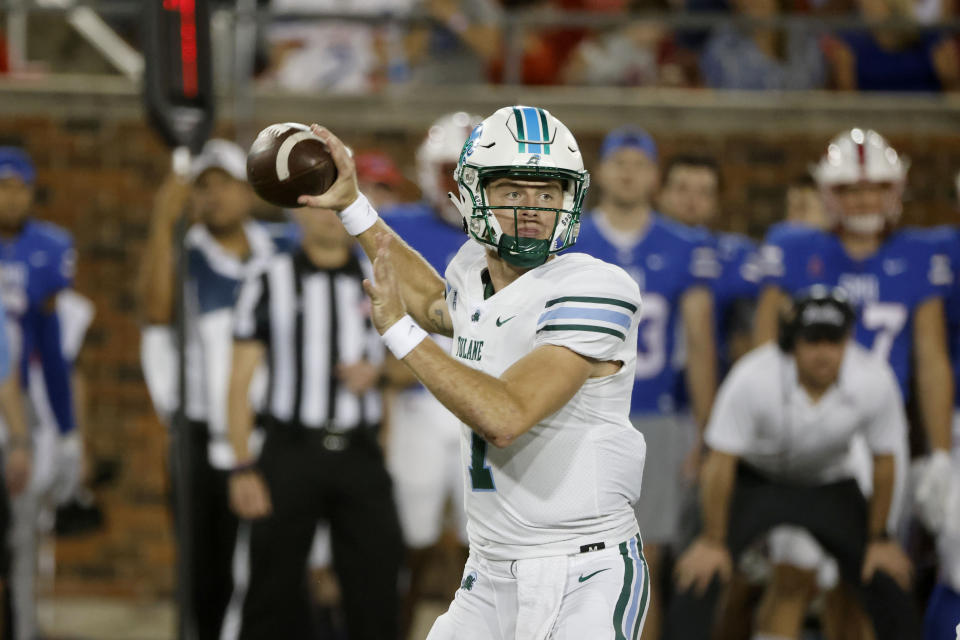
(540, 586)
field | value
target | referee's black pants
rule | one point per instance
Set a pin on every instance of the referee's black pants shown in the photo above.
(836, 515)
(314, 475)
(212, 531)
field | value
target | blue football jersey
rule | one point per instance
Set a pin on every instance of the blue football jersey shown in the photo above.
(739, 280)
(34, 266)
(948, 241)
(885, 288)
(666, 262)
(420, 227)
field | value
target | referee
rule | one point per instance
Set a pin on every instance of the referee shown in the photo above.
(307, 317)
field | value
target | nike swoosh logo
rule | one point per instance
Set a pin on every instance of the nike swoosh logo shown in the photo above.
(503, 322)
(584, 578)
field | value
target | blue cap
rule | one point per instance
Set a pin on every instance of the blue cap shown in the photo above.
(15, 163)
(628, 137)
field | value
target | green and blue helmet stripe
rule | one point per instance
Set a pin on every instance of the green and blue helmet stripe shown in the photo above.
(520, 132)
(532, 130)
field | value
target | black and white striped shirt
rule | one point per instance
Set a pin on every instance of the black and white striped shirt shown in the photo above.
(310, 320)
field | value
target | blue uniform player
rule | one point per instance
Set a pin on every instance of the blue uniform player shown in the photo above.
(691, 195)
(37, 262)
(423, 446)
(675, 267)
(894, 279)
(223, 247)
(943, 610)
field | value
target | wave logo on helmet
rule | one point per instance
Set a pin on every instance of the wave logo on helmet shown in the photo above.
(468, 145)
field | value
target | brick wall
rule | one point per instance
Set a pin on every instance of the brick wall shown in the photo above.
(97, 178)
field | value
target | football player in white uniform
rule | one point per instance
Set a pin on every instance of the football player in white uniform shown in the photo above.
(540, 375)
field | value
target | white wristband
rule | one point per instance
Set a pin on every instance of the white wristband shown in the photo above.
(359, 216)
(403, 336)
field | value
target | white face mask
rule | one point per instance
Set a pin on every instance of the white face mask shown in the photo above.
(864, 224)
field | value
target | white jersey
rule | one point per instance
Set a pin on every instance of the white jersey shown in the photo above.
(571, 480)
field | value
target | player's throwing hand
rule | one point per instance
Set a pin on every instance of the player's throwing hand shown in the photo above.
(344, 191)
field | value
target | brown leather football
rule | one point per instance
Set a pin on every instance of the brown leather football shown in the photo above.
(287, 161)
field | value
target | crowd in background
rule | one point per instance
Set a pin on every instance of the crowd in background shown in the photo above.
(471, 41)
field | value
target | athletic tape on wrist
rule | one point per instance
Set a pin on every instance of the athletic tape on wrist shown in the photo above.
(359, 216)
(403, 337)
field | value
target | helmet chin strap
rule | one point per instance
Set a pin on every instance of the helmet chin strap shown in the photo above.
(864, 224)
(523, 252)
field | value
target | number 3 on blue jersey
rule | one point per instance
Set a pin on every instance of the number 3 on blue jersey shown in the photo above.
(481, 478)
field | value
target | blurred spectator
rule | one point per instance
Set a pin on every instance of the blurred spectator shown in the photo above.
(804, 205)
(379, 179)
(630, 56)
(892, 59)
(547, 51)
(460, 47)
(4, 63)
(762, 58)
(344, 57)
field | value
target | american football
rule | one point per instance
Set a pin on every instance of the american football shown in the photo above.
(287, 161)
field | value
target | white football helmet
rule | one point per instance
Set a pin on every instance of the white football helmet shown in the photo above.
(439, 152)
(524, 142)
(861, 156)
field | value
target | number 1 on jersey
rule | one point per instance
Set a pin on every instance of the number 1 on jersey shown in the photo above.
(481, 479)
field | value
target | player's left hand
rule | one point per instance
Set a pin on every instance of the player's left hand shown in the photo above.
(384, 291)
(358, 376)
(887, 556)
(19, 462)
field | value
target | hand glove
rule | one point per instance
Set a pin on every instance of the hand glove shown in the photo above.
(69, 469)
(932, 479)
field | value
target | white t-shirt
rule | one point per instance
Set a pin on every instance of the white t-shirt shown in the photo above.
(571, 480)
(765, 417)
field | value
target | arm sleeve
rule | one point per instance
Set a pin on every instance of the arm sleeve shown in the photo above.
(594, 316)
(61, 272)
(159, 359)
(251, 317)
(779, 260)
(732, 421)
(939, 277)
(886, 429)
(704, 268)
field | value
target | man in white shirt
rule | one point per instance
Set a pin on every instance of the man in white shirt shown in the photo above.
(780, 439)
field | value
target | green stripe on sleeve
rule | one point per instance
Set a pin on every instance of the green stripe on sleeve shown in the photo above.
(612, 301)
(624, 593)
(521, 135)
(582, 327)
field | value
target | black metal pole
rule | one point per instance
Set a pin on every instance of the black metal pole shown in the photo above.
(180, 441)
